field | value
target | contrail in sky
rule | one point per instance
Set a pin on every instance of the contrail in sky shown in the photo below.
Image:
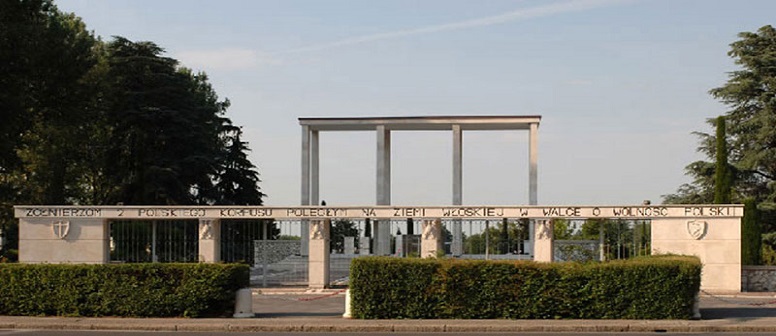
(516, 15)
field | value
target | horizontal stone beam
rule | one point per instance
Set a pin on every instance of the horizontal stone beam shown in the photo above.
(381, 212)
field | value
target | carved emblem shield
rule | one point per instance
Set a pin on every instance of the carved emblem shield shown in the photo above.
(696, 229)
(61, 228)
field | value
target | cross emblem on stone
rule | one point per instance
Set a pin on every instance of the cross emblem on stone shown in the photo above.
(61, 228)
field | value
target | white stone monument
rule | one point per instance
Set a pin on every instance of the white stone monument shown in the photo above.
(350, 245)
(431, 242)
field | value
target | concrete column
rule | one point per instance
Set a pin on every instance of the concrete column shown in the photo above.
(209, 240)
(305, 197)
(383, 166)
(383, 227)
(457, 243)
(457, 165)
(533, 182)
(543, 241)
(318, 262)
(431, 239)
(314, 169)
(533, 157)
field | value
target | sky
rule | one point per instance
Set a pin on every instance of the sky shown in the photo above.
(620, 85)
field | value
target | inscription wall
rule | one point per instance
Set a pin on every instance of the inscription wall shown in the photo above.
(382, 212)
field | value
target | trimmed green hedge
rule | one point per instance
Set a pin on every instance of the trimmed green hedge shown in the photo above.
(139, 290)
(658, 287)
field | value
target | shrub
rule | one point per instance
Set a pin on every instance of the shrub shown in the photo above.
(137, 290)
(657, 287)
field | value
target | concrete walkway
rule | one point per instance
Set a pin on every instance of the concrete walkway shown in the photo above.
(321, 312)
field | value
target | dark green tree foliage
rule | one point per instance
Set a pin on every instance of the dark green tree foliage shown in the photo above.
(340, 229)
(238, 180)
(47, 59)
(722, 177)
(751, 243)
(504, 243)
(165, 129)
(750, 93)
(85, 122)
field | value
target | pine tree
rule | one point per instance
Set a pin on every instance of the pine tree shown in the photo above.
(238, 180)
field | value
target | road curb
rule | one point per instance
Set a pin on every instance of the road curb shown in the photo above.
(401, 326)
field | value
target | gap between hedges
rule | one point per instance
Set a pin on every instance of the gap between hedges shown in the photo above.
(655, 287)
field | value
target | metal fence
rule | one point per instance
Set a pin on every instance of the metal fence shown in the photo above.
(274, 249)
(154, 241)
(576, 250)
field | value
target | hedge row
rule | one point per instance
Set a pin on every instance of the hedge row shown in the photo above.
(660, 287)
(137, 290)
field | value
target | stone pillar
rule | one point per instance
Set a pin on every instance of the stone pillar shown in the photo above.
(716, 241)
(64, 240)
(543, 240)
(533, 183)
(305, 184)
(533, 158)
(314, 169)
(383, 237)
(431, 240)
(382, 230)
(318, 262)
(457, 243)
(209, 240)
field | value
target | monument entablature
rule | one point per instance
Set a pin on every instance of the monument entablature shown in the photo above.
(382, 212)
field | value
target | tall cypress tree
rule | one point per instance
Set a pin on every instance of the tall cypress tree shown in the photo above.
(751, 244)
(722, 174)
(504, 241)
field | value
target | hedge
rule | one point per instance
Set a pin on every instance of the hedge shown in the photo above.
(658, 287)
(129, 290)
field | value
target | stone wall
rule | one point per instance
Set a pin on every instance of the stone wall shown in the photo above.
(758, 278)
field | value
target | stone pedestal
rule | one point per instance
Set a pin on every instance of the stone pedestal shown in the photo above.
(431, 241)
(543, 240)
(209, 240)
(318, 261)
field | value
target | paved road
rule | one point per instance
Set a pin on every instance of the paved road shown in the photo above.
(333, 306)
(320, 314)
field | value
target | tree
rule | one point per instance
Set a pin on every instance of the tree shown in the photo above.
(722, 178)
(340, 229)
(47, 61)
(87, 122)
(238, 180)
(504, 237)
(750, 93)
(751, 244)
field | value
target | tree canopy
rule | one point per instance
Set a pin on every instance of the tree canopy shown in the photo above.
(750, 95)
(93, 122)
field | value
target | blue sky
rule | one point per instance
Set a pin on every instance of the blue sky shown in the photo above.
(620, 86)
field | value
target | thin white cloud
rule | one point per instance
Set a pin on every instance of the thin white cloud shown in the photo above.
(226, 59)
(516, 15)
